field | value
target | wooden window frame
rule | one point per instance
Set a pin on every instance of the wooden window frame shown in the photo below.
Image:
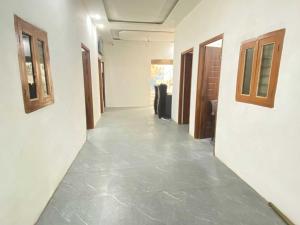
(257, 44)
(36, 34)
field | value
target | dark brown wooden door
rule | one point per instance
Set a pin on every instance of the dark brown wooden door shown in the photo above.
(101, 86)
(211, 81)
(188, 61)
(185, 87)
(88, 88)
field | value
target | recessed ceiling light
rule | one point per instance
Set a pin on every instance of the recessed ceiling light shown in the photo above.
(96, 17)
(100, 26)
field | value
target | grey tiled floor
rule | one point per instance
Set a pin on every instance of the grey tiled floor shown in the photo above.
(138, 170)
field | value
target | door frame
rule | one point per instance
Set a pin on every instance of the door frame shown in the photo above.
(200, 91)
(87, 77)
(181, 84)
(101, 85)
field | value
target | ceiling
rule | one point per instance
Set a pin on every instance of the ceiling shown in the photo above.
(154, 11)
(146, 36)
(138, 20)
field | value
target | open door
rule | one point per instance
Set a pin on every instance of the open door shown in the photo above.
(87, 86)
(208, 87)
(185, 87)
(211, 78)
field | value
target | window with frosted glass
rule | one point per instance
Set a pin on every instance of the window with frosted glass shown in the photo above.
(42, 67)
(34, 64)
(29, 66)
(258, 69)
(247, 71)
(265, 70)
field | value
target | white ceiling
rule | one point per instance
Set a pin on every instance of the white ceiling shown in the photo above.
(146, 36)
(141, 20)
(144, 11)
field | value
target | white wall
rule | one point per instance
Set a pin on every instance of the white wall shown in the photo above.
(127, 71)
(260, 144)
(38, 148)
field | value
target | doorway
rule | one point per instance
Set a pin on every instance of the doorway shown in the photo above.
(86, 63)
(101, 85)
(161, 73)
(210, 55)
(185, 87)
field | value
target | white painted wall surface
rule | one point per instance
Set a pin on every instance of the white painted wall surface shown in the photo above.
(127, 71)
(38, 148)
(260, 144)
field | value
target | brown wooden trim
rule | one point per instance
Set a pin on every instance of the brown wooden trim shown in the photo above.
(214, 39)
(85, 47)
(280, 32)
(241, 70)
(100, 85)
(162, 61)
(182, 70)
(88, 89)
(199, 90)
(281, 214)
(103, 83)
(180, 89)
(36, 35)
(275, 37)
(190, 50)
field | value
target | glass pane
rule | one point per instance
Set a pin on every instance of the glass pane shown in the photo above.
(247, 71)
(161, 74)
(265, 70)
(42, 67)
(29, 66)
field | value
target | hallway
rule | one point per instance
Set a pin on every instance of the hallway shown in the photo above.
(137, 170)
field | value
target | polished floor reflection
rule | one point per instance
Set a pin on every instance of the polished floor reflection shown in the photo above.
(138, 170)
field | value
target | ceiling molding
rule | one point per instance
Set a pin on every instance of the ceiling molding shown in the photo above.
(116, 35)
(148, 31)
(140, 10)
(135, 21)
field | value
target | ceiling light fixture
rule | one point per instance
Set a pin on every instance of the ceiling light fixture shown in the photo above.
(96, 17)
(100, 26)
